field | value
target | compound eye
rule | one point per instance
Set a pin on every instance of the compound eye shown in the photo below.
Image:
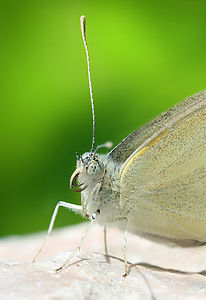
(95, 168)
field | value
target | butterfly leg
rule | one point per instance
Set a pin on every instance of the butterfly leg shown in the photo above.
(93, 218)
(73, 207)
(105, 245)
(125, 253)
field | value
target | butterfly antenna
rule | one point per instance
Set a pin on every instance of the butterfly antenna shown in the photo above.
(83, 30)
(105, 145)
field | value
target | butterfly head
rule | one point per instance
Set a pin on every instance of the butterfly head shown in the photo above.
(90, 169)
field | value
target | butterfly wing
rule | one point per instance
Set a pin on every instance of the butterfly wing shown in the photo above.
(163, 182)
(133, 141)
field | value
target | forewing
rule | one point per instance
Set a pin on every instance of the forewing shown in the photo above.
(164, 181)
(133, 141)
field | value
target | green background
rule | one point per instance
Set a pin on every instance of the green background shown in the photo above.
(145, 56)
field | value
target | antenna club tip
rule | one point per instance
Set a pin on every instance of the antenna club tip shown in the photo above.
(83, 26)
(82, 20)
(108, 144)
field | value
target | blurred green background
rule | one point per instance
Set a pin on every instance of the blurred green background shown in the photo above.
(145, 56)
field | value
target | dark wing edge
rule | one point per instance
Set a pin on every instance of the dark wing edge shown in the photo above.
(134, 140)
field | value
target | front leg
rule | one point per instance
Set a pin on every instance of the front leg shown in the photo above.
(73, 207)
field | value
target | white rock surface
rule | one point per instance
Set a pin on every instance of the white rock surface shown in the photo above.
(90, 276)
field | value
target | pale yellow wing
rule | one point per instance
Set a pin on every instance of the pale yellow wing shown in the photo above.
(163, 183)
(134, 140)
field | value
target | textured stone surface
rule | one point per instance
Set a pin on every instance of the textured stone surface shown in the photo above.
(90, 276)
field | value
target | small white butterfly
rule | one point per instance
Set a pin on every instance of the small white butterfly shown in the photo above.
(153, 183)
